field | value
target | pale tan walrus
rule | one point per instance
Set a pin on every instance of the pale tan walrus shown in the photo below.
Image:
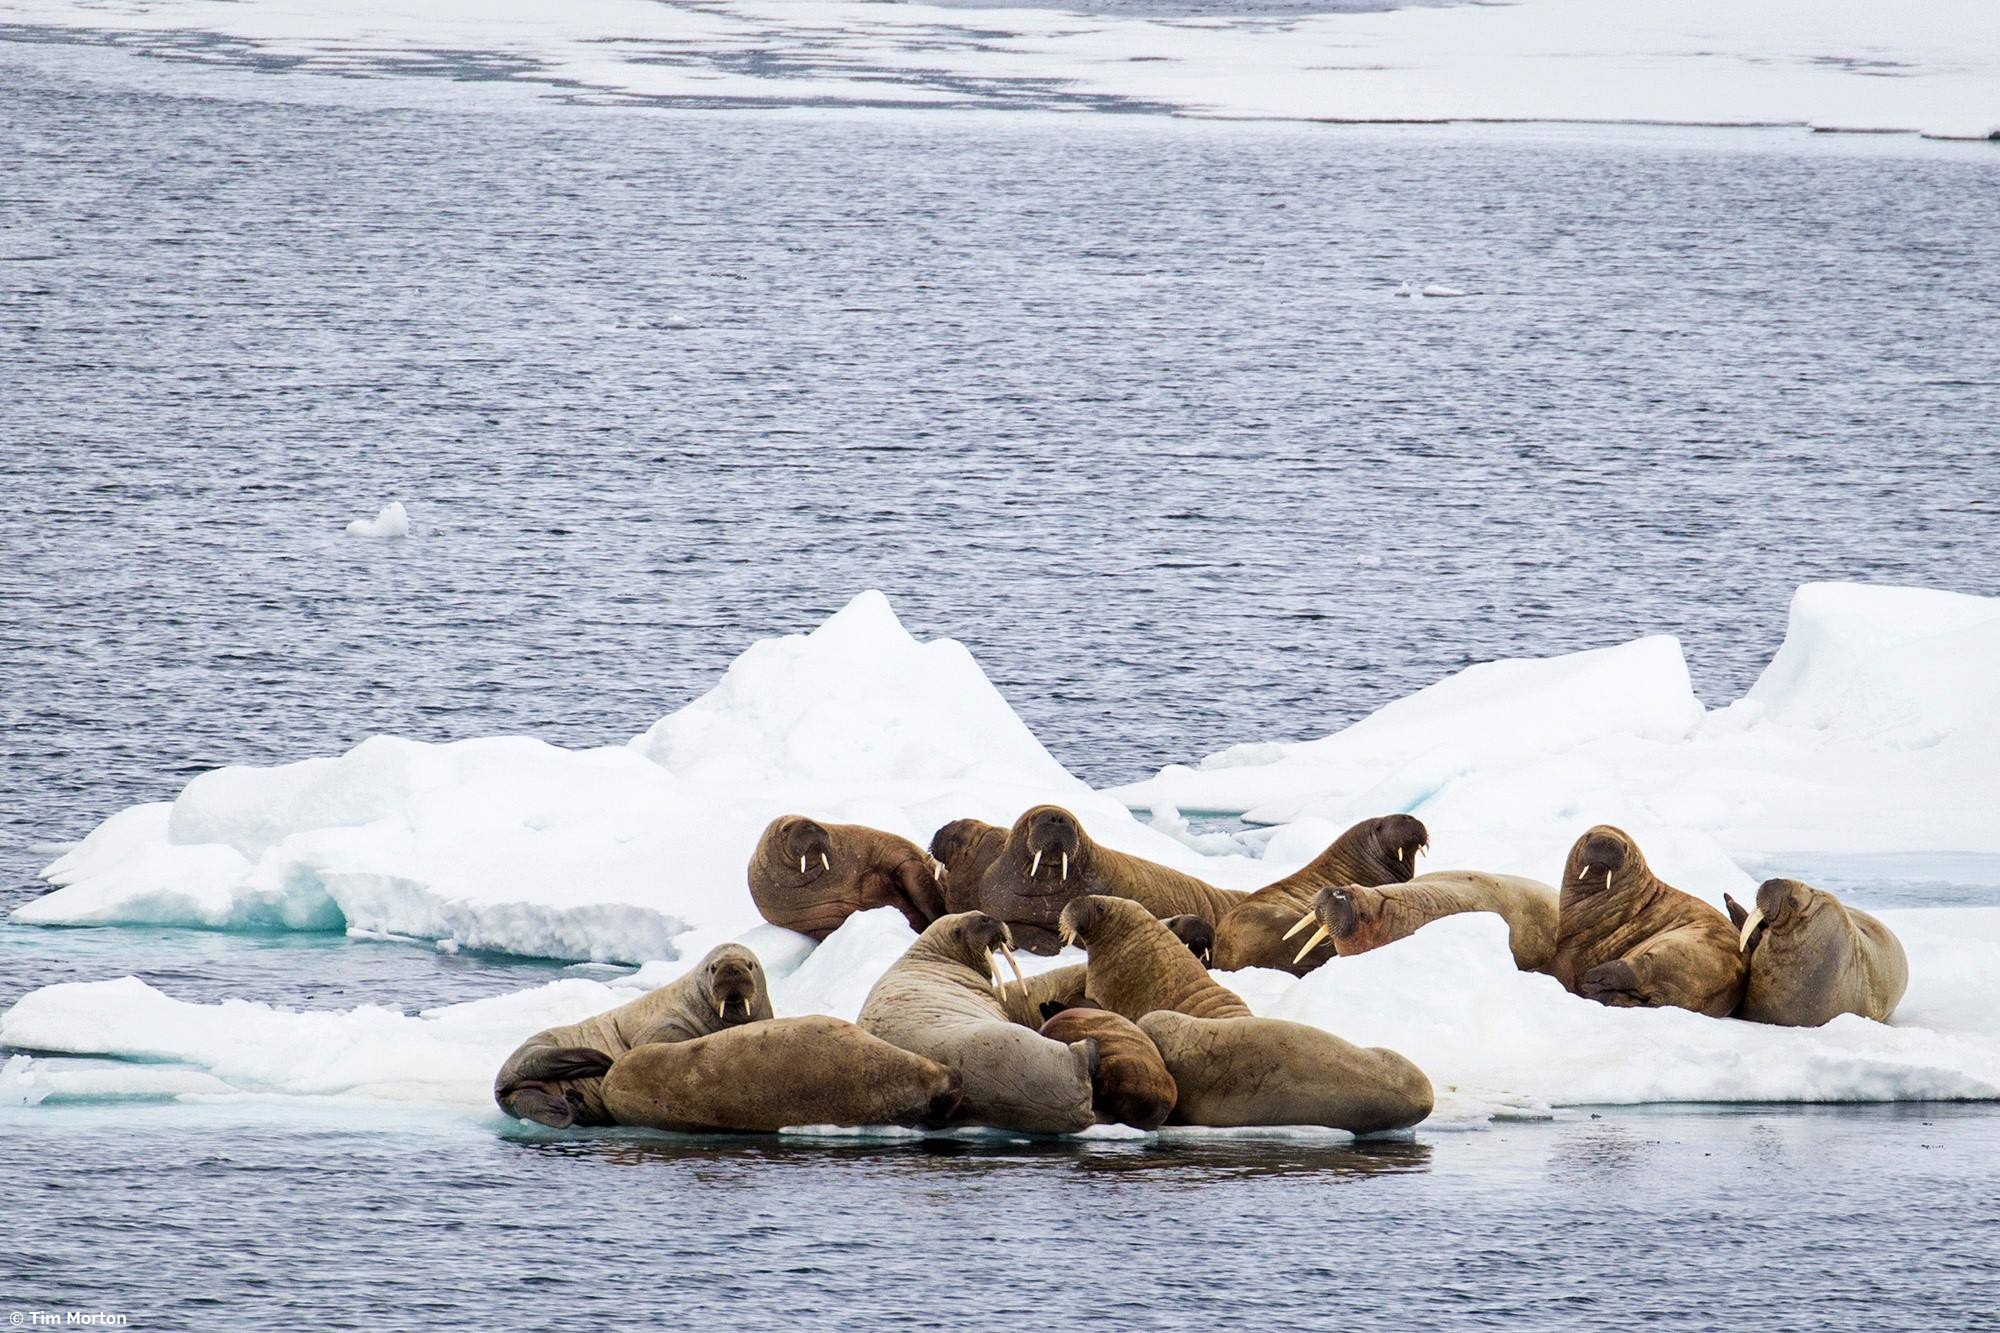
(1356, 919)
(941, 1000)
(1813, 958)
(1625, 939)
(810, 877)
(1382, 850)
(555, 1077)
(764, 1077)
(1229, 1067)
(1047, 860)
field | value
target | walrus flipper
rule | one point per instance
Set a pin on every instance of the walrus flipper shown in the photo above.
(920, 888)
(1737, 916)
(555, 1064)
(1686, 968)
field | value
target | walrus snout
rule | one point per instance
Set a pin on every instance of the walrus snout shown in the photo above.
(1401, 838)
(809, 845)
(1079, 917)
(734, 985)
(1196, 933)
(1049, 835)
(1598, 855)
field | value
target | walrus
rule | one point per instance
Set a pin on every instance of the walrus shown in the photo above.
(1229, 1067)
(764, 1077)
(810, 877)
(1047, 860)
(939, 1000)
(1625, 939)
(1356, 919)
(1131, 1085)
(1382, 850)
(963, 849)
(1197, 934)
(1032, 1001)
(1137, 965)
(1812, 958)
(555, 1077)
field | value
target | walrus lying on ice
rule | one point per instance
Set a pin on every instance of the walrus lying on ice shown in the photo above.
(1356, 919)
(940, 1000)
(1626, 939)
(1131, 1085)
(1812, 958)
(1229, 1067)
(764, 1077)
(1382, 850)
(810, 877)
(1046, 860)
(555, 1077)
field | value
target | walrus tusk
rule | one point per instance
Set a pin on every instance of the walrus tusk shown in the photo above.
(1399, 855)
(1318, 935)
(802, 863)
(1750, 923)
(1301, 924)
(824, 864)
(993, 974)
(1607, 877)
(718, 1007)
(1065, 865)
(1008, 954)
(1036, 867)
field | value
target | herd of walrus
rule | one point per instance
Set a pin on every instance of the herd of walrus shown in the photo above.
(1141, 1034)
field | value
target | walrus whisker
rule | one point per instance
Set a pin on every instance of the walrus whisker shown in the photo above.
(1750, 923)
(1301, 924)
(1035, 868)
(1318, 935)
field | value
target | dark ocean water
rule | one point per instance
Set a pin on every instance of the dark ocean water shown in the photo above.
(1129, 407)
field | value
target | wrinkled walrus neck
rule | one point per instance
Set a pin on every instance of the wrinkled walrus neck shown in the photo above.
(1135, 972)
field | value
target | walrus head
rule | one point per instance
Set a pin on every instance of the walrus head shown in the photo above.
(1051, 843)
(1348, 915)
(1781, 905)
(977, 941)
(735, 982)
(794, 840)
(1600, 855)
(950, 843)
(1196, 933)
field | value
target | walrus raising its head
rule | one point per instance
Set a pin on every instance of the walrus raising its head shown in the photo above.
(1048, 860)
(963, 849)
(1812, 958)
(1382, 850)
(1356, 919)
(1626, 939)
(941, 1000)
(1137, 965)
(1131, 1085)
(810, 877)
(555, 1077)
(769, 1076)
(1197, 934)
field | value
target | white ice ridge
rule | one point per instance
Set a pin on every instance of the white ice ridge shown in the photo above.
(1921, 65)
(1873, 730)
(392, 521)
(625, 853)
(1496, 1042)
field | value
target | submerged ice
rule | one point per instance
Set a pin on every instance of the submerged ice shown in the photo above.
(1870, 732)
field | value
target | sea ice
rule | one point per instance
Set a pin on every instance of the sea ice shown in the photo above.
(392, 521)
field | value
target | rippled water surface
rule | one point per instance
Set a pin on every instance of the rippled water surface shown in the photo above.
(1126, 405)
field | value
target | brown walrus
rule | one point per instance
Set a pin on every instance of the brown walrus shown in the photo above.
(764, 1077)
(1382, 850)
(1229, 1067)
(1048, 860)
(1131, 1085)
(555, 1077)
(1356, 919)
(810, 877)
(963, 849)
(1624, 938)
(1033, 1000)
(939, 1000)
(1137, 965)
(1812, 958)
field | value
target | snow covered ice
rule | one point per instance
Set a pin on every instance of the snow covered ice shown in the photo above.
(1871, 731)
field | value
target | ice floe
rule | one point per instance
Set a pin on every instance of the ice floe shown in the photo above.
(1922, 65)
(391, 521)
